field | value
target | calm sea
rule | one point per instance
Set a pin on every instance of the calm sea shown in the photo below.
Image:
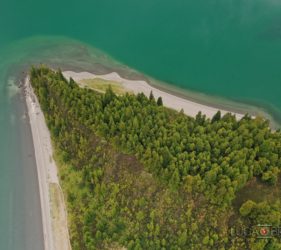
(225, 48)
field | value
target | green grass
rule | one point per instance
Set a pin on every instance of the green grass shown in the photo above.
(101, 85)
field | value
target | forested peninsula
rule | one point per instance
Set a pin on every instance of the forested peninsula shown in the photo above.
(137, 175)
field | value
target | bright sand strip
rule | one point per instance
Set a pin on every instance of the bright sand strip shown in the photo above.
(190, 108)
(54, 215)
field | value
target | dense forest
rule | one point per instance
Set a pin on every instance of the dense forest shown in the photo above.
(137, 175)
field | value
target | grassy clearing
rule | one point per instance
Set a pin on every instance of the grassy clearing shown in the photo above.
(258, 191)
(101, 85)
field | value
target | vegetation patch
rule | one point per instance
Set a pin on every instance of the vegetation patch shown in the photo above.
(140, 176)
(102, 85)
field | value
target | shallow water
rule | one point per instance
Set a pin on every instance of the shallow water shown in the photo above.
(20, 217)
(225, 48)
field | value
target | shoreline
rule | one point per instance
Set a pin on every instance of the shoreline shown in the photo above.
(74, 55)
(237, 107)
(47, 176)
(170, 100)
(79, 56)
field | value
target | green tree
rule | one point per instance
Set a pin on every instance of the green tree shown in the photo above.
(159, 101)
(151, 96)
(247, 208)
(216, 117)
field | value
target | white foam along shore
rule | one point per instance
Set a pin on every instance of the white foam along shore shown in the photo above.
(47, 176)
(190, 108)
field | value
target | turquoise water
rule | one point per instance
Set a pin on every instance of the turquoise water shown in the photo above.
(225, 48)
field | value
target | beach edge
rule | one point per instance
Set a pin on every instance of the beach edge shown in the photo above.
(47, 171)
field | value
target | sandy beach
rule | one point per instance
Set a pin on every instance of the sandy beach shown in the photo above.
(190, 108)
(54, 215)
